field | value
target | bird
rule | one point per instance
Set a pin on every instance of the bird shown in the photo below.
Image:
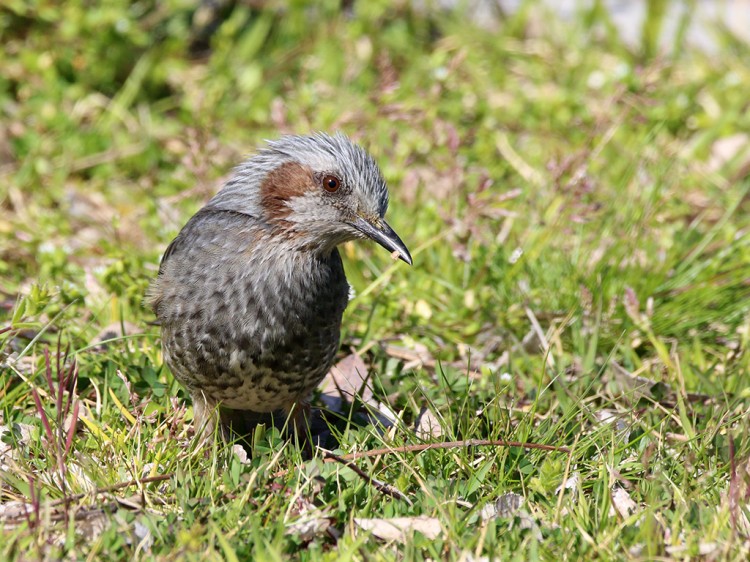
(251, 293)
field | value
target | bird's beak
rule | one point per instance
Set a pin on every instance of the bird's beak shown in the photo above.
(379, 231)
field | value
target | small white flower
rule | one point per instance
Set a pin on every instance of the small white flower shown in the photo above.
(515, 256)
(596, 80)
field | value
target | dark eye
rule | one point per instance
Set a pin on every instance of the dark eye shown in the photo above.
(331, 184)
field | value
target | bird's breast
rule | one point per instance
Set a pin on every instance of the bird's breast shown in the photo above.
(252, 325)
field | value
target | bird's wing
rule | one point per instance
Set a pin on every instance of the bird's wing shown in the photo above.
(173, 245)
(198, 229)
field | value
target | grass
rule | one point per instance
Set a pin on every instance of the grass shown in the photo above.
(577, 209)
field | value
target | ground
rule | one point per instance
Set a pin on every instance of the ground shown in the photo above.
(577, 209)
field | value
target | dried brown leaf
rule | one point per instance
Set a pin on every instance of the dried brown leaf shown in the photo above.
(636, 386)
(622, 503)
(505, 506)
(347, 379)
(428, 425)
(311, 521)
(400, 528)
(726, 149)
(14, 512)
(22, 433)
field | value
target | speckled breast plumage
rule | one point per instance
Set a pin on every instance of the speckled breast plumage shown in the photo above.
(251, 325)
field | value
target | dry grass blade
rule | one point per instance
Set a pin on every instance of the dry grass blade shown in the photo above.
(418, 358)
(377, 484)
(451, 445)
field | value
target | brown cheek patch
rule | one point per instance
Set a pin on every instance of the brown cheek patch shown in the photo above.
(281, 185)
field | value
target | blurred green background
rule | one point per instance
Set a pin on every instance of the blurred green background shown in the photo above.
(573, 187)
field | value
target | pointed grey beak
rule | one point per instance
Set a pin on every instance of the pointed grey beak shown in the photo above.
(384, 235)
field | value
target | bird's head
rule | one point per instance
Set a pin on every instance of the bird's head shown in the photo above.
(317, 191)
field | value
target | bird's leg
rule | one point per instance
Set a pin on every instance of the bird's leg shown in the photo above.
(205, 416)
(299, 414)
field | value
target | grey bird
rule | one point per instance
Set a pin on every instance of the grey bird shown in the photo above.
(250, 294)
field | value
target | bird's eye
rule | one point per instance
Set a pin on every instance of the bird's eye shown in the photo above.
(331, 184)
